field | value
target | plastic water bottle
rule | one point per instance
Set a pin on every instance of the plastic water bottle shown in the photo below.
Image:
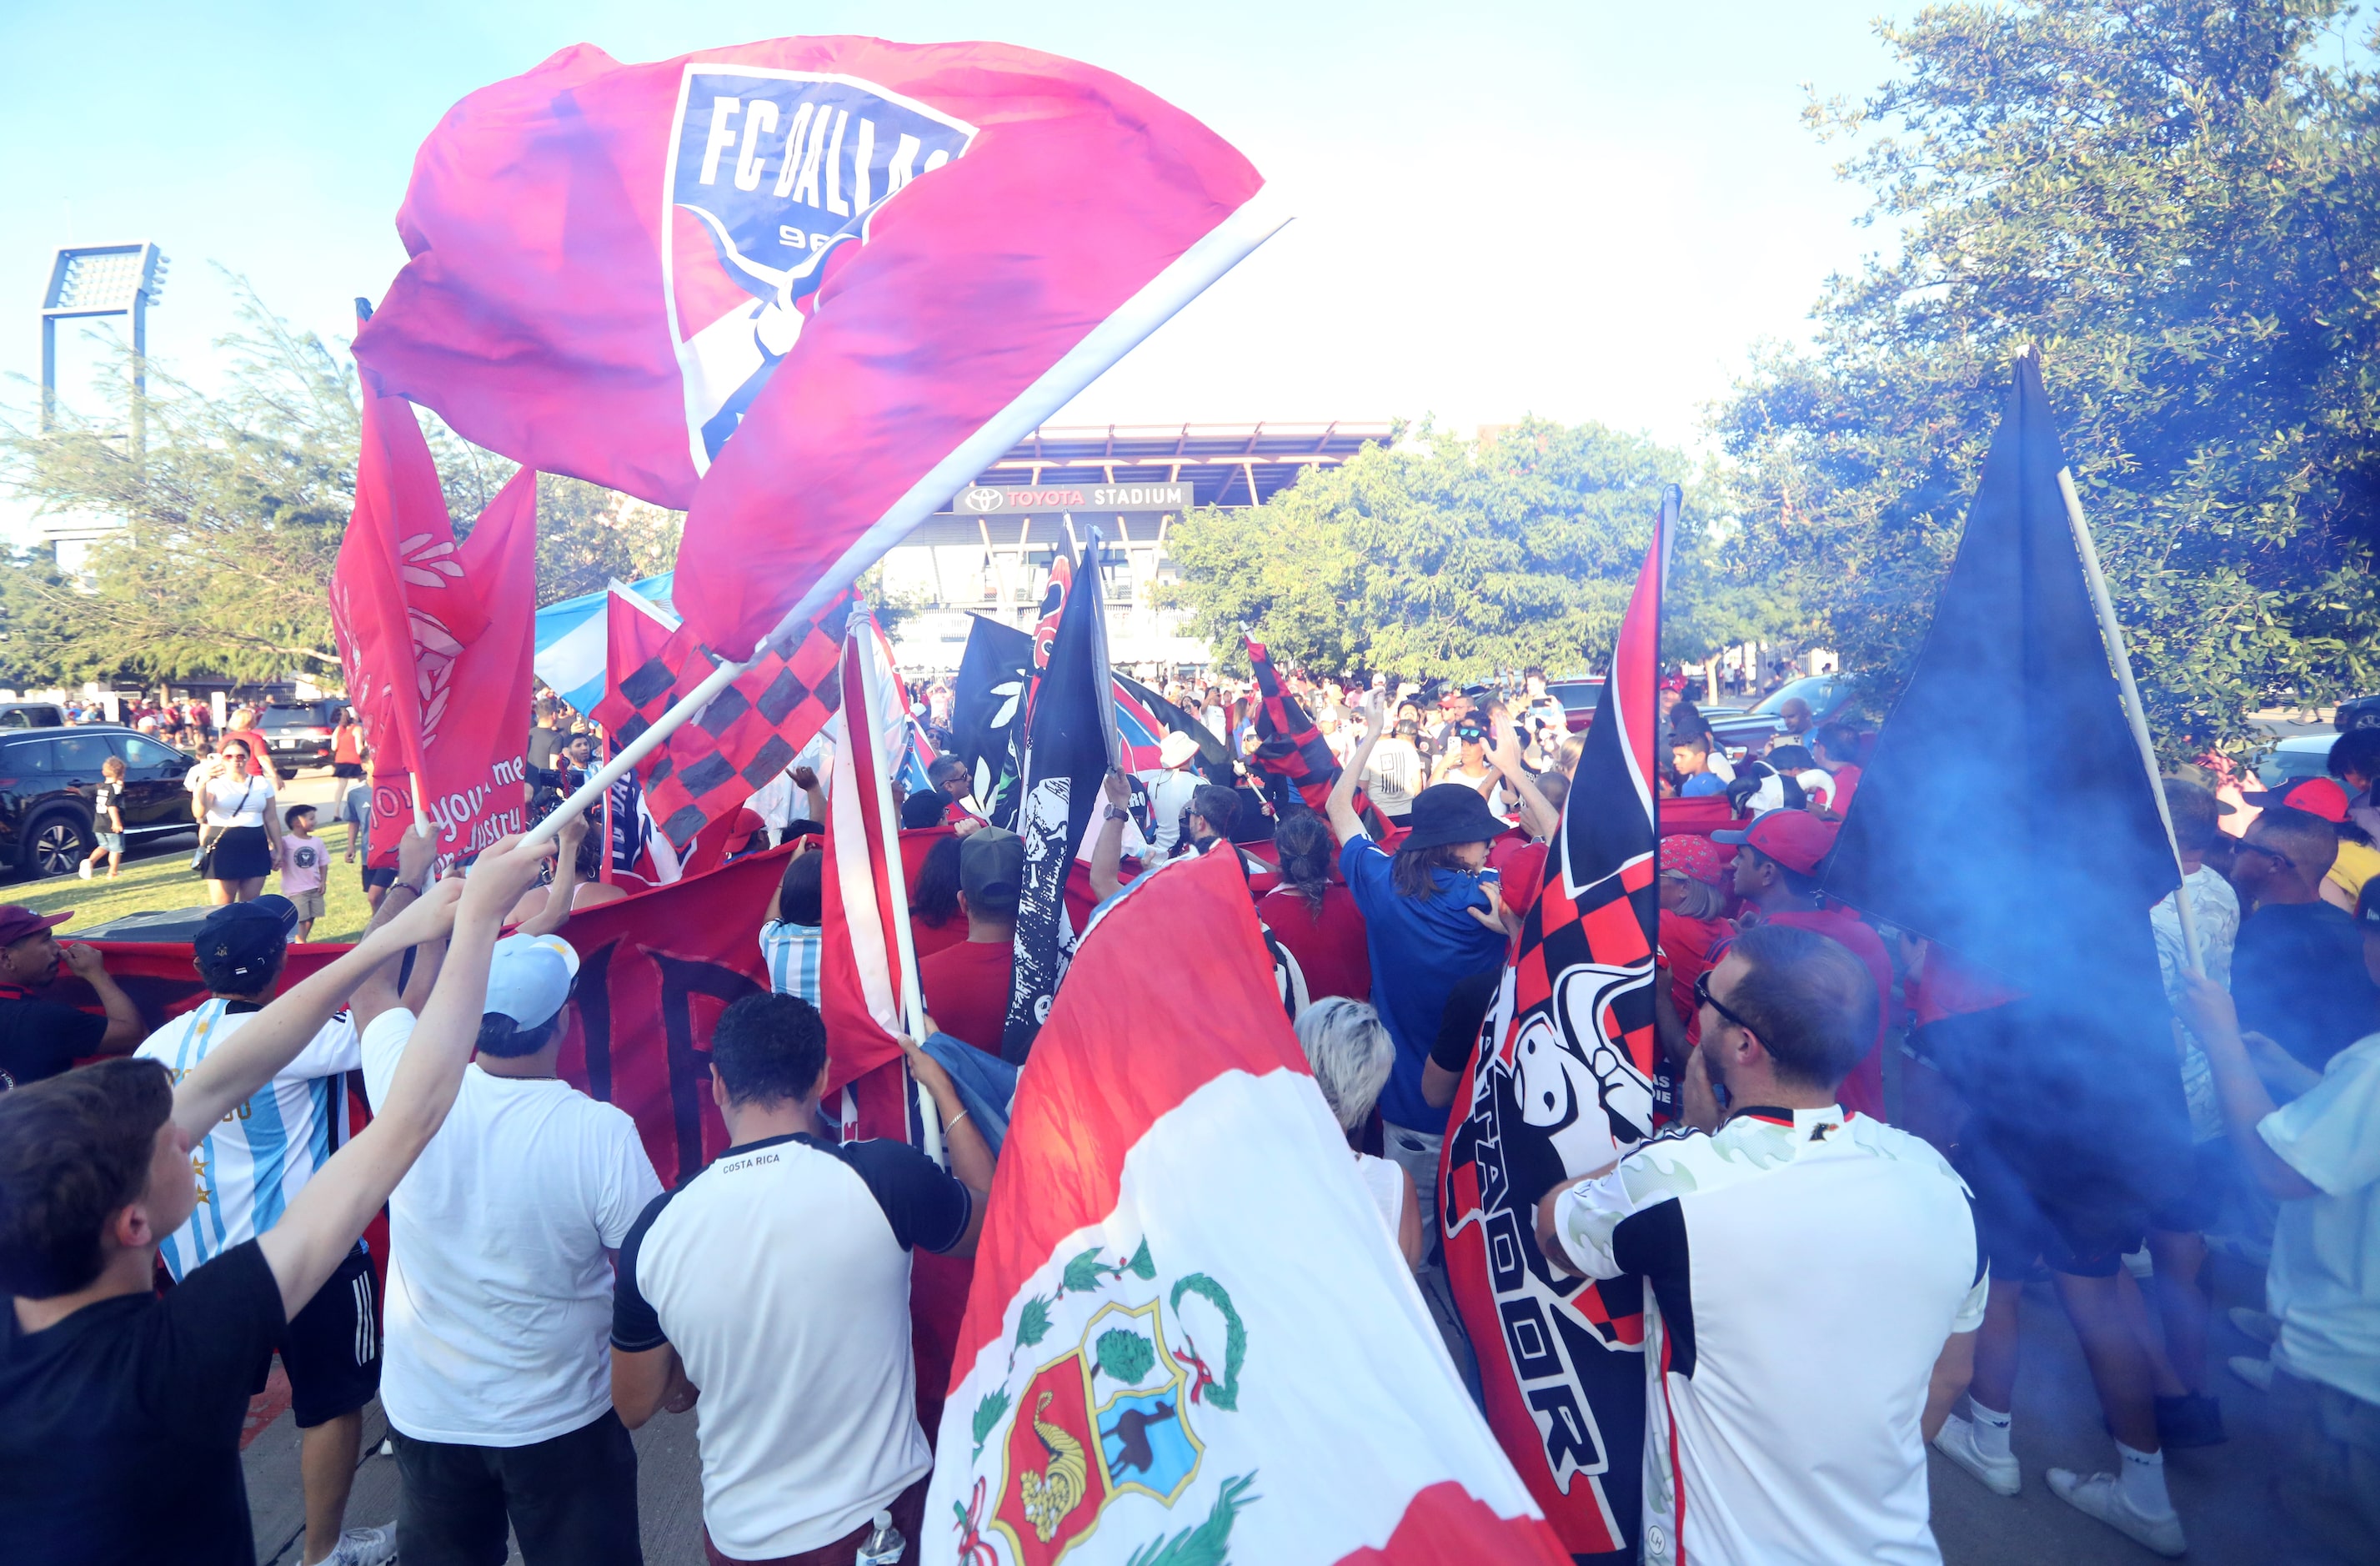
(884, 1545)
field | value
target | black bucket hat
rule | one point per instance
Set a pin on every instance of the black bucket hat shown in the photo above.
(1451, 813)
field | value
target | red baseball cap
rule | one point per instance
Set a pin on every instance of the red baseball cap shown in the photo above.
(2326, 797)
(16, 922)
(1794, 839)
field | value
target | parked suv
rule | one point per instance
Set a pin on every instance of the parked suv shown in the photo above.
(298, 733)
(32, 714)
(46, 778)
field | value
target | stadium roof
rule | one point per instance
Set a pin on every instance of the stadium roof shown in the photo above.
(1224, 464)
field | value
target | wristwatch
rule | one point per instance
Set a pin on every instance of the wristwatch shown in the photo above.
(1117, 813)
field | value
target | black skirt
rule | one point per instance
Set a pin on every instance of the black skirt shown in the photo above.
(240, 854)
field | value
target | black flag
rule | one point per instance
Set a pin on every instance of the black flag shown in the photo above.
(2007, 815)
(987, 705)
(1069, 745)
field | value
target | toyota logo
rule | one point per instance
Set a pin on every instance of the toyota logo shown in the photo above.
(982, 499)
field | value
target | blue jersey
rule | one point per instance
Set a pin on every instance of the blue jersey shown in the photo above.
(253, 1164)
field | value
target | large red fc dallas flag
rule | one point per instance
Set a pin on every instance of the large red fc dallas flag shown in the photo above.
(805, 289)
(1560, 1084)
(1191, 1335)
(437, 639)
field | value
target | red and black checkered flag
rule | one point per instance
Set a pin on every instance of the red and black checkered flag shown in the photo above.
(1292, 749)
(749, 734)
(1560, 1084)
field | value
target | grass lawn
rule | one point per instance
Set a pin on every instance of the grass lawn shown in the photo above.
(157, 878)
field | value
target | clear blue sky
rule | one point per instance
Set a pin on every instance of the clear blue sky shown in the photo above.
(1582, 210)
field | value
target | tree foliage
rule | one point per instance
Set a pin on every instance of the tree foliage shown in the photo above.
(2179, 201)
(236, 509)
(1435, 557)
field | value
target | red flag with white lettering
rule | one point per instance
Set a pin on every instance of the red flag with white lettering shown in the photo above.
(437, 638)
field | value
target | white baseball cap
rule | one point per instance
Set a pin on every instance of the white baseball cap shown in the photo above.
(529, 978)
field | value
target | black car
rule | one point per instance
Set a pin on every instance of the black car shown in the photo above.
(298, 733)
(2362, 713)
(46, 778)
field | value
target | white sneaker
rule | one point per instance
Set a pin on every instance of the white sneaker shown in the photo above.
(2257, 1373)
(1957, 1441)
(2255, 1324)
(364, 1546)
(83, 870)
(2097, 1497)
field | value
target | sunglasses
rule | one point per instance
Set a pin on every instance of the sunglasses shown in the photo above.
(2275, 855)
(1702, 996)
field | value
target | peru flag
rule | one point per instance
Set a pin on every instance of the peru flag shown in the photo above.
(1560, 1084)
(805, 289)
(1191, 1335)
(437, 639)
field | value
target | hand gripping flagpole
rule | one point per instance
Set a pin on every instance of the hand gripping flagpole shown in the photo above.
(1225, 247)
(2113, 633)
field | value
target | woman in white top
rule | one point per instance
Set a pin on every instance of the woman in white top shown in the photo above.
(1351, 1054)
(239, 829)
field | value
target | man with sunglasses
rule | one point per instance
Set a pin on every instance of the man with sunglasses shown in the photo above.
(496, 1373)
(1815, 1280)
(2297, 973)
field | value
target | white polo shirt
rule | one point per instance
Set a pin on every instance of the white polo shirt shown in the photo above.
(781, 1275)
(1806, 1268)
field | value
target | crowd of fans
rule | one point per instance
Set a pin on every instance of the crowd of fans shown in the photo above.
(170, 1222)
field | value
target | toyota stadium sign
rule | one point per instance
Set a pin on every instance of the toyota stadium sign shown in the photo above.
(980, 500)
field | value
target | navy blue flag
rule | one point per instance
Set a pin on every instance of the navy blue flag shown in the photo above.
(1070, 743)
(2007, 816)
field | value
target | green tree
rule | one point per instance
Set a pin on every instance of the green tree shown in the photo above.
(234, 512)
(1435, 557)
(2179, 200)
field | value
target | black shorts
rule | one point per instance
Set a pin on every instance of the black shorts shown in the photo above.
(2079, 1224)
(346, 769)
(331, 1348)
(386, 876)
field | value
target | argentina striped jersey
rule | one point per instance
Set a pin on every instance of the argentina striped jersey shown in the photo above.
(262, 1154)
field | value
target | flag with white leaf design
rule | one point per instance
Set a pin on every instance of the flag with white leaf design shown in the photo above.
(437, 639)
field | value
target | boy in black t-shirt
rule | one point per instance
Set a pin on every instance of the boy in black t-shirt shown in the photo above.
(120, 1411)
(107, 819)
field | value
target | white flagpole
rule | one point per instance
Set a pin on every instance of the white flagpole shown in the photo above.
(913, 999)
(2114, 635)
(1225, 247)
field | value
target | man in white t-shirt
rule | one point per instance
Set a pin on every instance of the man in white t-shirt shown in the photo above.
(249, 1168)
(1814, 1280)
(497, 1386)
(1169, 785)
(2319, 1158)
(777, 1282)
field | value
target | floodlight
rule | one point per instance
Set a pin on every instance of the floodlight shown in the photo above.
(88, 280)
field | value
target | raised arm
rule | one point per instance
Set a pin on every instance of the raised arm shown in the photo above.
(566, 880)
(125, 1029)
(416, 850)
(971, 1160)
(1106, 849)
(1341, 805)
(250, 1057)
(2206, 1007)
(1538, 816)
(324, 1220)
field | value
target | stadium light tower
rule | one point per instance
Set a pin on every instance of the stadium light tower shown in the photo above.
(91, 280)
